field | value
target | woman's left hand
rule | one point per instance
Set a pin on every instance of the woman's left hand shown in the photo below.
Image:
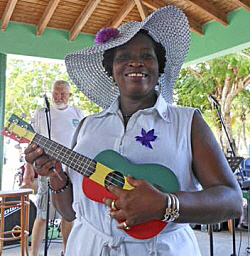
(141, 204)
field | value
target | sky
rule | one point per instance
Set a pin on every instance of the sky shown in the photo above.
(30, 58)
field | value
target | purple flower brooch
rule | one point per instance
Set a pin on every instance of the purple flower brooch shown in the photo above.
(105, 34)
(146, 138)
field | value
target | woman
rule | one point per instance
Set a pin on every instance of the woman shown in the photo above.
(138, 59)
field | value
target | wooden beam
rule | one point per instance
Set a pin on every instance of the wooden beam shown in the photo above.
(243, 3)
(43, 22)
(122, 14)
(7, 13)
(208, 8)
(150, 4)
(142, 9)
(83, 18)
(194, 25)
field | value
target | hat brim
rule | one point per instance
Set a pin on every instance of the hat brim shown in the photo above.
(168, 26)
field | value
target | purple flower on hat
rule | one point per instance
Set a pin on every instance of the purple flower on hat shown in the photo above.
(105, 34)
(146, 138)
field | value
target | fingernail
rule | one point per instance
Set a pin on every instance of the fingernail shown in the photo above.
(39, 151)
(33, 146)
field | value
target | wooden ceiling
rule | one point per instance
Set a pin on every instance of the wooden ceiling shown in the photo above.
(89, 16)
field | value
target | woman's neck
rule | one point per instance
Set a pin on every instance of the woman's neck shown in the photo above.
(129, 106)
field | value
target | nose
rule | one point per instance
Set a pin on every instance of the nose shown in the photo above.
(58, 97)
(135, 63)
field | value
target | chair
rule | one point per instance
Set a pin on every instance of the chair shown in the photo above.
(15, 199)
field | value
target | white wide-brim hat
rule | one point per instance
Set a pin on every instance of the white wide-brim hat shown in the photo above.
(168, 26)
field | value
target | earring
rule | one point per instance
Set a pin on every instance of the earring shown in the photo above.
(113, 86)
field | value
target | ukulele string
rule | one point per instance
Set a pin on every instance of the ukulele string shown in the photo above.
(50, 150)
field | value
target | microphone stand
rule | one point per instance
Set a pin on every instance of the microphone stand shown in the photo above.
(233, 152)
(47, 113)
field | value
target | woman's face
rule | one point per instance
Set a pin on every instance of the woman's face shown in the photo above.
(135, 67)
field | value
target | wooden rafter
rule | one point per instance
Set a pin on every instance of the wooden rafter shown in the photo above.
(83, 18)
(210, 9)
(195, 26)
(243, 3)
(142, 9)
(7, 13)
(43, 22)
(150, 4)
(122, 14)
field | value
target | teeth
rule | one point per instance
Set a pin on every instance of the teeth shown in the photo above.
(137, 74)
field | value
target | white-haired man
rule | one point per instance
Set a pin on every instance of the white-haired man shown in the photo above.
(64, 120)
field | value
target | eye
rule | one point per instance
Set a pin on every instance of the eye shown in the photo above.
(147, 55)
(122, 56)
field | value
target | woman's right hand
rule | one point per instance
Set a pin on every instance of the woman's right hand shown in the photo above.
(48, 166)
(43, 164)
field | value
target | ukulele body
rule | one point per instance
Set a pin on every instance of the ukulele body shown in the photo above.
(112, 168)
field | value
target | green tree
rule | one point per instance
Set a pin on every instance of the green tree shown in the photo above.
(241, 111)
(224, 78)
(27, 81)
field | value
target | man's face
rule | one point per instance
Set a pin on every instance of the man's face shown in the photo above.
(60, 96)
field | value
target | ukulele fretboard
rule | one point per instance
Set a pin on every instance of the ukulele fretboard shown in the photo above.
(70, 158)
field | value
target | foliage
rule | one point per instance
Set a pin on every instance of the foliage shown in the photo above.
(27, 81)
(240, 114)
(226, 78)
(197, 82)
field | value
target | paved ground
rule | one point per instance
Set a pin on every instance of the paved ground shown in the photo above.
(222, 245)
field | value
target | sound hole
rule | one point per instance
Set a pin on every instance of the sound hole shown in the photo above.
(114, 178)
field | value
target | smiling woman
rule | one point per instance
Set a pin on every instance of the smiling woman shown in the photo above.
(156, 167)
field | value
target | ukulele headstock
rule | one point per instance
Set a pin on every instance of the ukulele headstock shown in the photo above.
(18, 130)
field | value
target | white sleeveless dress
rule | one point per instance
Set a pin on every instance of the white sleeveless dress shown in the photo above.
(94, 232)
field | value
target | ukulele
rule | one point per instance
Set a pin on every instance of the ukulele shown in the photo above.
(107, 168)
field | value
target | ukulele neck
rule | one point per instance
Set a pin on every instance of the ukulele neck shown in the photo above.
(70, 158)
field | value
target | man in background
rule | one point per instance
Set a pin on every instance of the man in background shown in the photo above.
(64, 120)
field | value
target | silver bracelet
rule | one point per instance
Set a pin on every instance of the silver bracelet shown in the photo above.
(172, 209)
(56, 191)
(175, 212)
(168, 209)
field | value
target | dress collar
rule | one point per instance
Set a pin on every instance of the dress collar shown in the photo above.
(161, 106)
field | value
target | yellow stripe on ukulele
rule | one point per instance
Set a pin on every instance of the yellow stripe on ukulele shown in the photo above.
(22, 132)
(102, 172)
(127, 185)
